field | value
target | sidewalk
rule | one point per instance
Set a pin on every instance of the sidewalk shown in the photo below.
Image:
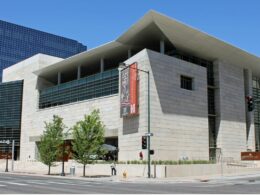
(192, 179)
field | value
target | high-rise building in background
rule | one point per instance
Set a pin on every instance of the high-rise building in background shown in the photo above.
(18, 43)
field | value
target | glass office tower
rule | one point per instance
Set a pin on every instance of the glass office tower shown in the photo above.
(18, 43)
(10, 116)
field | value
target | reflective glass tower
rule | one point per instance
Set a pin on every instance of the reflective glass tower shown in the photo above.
(18, 43)
(10, 116)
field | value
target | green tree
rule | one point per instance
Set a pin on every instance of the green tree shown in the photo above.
(50, 146)
(88, 137)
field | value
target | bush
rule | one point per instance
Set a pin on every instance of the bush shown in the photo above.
(144, 162)
(160, 162)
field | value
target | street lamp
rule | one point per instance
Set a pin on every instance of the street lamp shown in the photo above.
(63, 155)
(7, 150)
(123, 66)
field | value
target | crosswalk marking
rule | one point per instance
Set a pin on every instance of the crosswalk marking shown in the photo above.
(43, 182)
(65, 183)
(14, 183)
(220, 184)
(90, 182)
(22, 182)
(19, 184)
(35, 182)
(54, 182)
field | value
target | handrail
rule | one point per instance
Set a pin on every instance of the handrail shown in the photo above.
(84, 80)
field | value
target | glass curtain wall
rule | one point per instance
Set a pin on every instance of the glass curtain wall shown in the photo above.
(256, 95)
(10, 115)
(97, 85)
(18, 43)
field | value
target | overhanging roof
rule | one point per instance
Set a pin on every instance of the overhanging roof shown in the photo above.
(193, 41)
(111, 48)
(180, 35)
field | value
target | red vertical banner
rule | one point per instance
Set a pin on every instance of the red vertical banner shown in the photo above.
(133, 89)
(129, 91)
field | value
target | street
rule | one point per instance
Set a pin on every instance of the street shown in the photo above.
(27, 184)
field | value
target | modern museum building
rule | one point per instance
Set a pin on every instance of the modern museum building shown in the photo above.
(191, 91)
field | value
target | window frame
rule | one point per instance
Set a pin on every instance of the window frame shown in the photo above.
(186, 82)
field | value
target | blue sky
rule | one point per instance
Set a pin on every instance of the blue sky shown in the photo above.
(99, 21)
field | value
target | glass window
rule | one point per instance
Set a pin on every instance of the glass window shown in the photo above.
(97, 85)
(186, 82)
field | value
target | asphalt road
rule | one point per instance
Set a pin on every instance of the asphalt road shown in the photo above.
(24, 184)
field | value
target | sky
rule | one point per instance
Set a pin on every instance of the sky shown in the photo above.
(99, 21)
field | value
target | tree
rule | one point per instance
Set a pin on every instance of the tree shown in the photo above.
(88, 137)
(51, 141)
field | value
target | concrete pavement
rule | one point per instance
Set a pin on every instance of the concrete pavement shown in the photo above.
(118, 178)
(31, 183)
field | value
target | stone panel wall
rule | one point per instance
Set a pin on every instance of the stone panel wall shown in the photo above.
(179, 118)
(231, 120)
(33, 118)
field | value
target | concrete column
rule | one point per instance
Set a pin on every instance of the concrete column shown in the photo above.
(59, 78)
(79, 72)
(129, 53)
(162, 47)
(102, 64)
(250, 128)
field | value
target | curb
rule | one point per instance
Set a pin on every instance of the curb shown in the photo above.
(104, 179)
(56, 176)
(118, 179)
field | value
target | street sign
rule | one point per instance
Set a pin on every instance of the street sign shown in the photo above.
(149, 134)
(5, 142)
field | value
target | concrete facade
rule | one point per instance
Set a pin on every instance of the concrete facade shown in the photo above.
(171, 108)
(33, 119)
(231, 114)
(179, 117)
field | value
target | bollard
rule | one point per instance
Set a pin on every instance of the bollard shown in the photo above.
(125, 174)
(72, 171)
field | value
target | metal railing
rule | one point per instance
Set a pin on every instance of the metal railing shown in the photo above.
(97, 85)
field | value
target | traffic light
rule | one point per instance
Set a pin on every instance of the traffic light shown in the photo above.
(250, 103)
(144, 142)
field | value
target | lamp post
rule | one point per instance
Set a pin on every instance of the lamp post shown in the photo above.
(123, 66)
(7, 143)
(63, 154)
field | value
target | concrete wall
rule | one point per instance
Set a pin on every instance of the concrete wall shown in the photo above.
(130, 143)
(160, 171)
(207, 170)
(33, 118)
(230, 105)
(179, 118)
